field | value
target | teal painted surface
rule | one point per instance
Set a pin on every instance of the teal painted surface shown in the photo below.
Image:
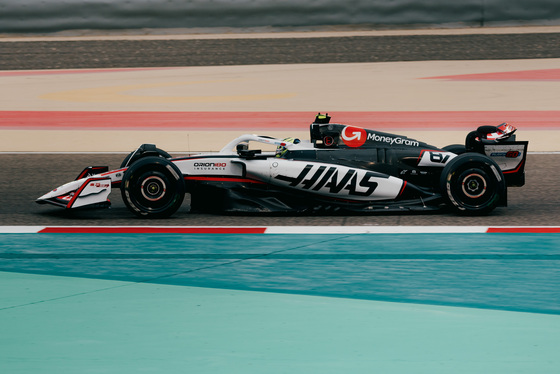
(51, 324)
(518, 272)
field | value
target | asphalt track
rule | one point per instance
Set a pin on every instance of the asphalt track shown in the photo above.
(29, 176)
(76, 54)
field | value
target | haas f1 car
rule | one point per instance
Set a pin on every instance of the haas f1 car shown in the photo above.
(340, 169)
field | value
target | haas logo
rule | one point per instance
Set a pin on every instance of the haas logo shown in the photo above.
(353, 136)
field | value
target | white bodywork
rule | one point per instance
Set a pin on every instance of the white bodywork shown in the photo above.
(507, 156)
(325, 179)
(81, 192)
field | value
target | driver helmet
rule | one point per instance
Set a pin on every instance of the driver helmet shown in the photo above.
(282, 149)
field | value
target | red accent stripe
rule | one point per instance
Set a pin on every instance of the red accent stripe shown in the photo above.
(209, 121)
(422, 154)
(79, 190)
(223, 179)
(523, 75)
(114, 172)
(241, 230)
(153, 230)
(516, 170)
(85, 172)
(402, 189)
(524, 230)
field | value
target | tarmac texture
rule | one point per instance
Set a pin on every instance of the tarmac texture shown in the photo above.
(88, 54)
(537, 203)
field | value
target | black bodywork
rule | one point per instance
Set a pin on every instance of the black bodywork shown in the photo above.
(381, 153)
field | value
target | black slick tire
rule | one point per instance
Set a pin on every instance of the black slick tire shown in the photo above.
(153, 187)
(472, 184)
(458, 149)
(145, 150)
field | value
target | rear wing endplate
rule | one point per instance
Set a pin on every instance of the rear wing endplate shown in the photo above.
(511, 158)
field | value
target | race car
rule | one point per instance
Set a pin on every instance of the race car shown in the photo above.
(342, 168)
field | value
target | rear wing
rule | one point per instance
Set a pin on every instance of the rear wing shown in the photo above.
(511, 157)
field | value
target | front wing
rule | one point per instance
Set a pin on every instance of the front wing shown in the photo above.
(90, 191)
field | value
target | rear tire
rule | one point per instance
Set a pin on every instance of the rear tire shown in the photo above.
(472, 184)
(458, 149)
(153, 187)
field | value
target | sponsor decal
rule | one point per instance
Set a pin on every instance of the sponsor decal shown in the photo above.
(356, 183)
(509, 154)
(328, 141)
(210, 165)
(392, 140)
(435, 158)
(413, 172)
(99, 185)
(356, 137)
(353, 136)
(439, 157)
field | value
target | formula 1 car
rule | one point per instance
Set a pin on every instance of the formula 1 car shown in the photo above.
(340, 169)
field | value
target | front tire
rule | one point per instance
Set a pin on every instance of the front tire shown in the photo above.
(472, 184)
(145, 150)
(153, 187)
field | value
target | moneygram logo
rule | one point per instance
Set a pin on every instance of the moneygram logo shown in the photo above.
(353, 136)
